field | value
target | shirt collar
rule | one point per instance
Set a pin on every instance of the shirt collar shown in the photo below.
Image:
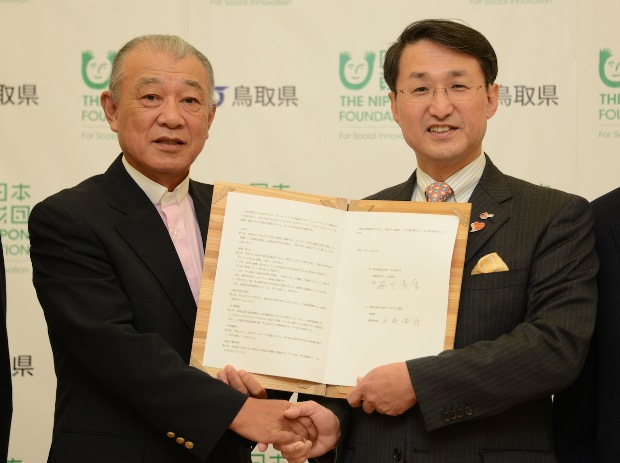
(154, 190)
(462, 182)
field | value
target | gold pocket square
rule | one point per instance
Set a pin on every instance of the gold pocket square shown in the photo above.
(489, 264)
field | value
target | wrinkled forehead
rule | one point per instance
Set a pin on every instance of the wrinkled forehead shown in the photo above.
(145, 66)
(155, 80)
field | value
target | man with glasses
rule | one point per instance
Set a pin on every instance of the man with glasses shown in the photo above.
(528, 296)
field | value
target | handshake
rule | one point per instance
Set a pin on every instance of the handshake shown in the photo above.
(307, 429)
(299, 431)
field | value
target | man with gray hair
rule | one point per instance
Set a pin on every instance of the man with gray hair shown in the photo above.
(117, 263)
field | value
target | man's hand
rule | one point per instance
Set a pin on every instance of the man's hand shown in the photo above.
(242, 381)
(264, 421)
(297, 452)
(386, 389)
(328, 428)
(245, 383)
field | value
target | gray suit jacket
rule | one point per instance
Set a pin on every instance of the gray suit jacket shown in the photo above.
(521, 336)
(120, 316)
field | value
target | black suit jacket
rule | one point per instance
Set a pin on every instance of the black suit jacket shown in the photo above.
(120, 316)
(586, 413)
(521, 336)
(6, 391)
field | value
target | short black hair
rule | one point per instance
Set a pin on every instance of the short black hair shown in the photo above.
(447, 33)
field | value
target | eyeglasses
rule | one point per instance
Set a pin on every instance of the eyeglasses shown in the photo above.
(455, 93)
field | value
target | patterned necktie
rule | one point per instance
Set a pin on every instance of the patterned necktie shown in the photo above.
(438, 192)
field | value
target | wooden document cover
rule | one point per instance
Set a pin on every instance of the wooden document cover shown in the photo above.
(312, 292)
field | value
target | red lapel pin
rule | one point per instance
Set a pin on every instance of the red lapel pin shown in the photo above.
(476, 226)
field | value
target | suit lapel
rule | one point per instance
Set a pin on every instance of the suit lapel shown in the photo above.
(406, 191)
(143, 229)
(201, 195)
(489, 196)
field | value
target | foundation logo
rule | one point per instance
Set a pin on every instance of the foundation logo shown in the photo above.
(356, 73)
(15, 205)
(609, 69)
(96, 72)
(96, 69)
(364, 105)
(609, 100)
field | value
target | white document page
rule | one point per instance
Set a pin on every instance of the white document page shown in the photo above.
(275, 286)
(392, 299)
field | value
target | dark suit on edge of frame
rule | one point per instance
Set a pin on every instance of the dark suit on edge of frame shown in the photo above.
(6, 390)
(521, 336)
(586, 413)
(120, 316)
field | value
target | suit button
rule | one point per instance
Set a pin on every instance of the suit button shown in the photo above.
(171, 435)
(397, 454)
(180, 440)
(460, 413)
(469, 411)
(445, 416)
(453, 415)
(189, 445)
